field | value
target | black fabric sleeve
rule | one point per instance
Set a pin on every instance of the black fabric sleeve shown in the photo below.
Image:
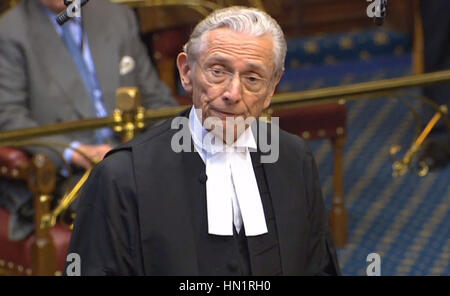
(106, 232)
(322, 253)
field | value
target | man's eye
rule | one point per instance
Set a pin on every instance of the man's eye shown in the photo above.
(253, 79)
(217, 72)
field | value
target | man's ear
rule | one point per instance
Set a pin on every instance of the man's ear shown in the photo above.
(185, 72)
(272, 89)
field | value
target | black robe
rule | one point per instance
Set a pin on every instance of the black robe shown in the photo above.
(137, 211)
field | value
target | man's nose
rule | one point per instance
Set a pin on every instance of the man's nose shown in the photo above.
(233, 92)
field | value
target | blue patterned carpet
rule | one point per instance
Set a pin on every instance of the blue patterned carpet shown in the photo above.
(406, 220)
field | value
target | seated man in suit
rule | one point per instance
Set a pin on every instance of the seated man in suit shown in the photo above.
(436, 25)
(2, 6)
(198, 195)
(51, 73)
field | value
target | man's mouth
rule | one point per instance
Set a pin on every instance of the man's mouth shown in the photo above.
(221, 113)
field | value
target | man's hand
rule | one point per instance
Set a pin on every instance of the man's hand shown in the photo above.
(95, 153)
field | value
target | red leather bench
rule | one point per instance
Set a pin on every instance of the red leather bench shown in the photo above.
(16, 256)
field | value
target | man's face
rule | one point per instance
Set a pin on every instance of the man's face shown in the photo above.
(54, 5)
(233, 75)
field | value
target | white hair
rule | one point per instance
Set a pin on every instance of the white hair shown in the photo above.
(243, 20)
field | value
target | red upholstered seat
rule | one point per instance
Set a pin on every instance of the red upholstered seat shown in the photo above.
(16, 255)
(169, 43)
(184, 100)
(314, 122)
(13, 163)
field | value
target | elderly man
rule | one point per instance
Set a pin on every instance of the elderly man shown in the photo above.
(51, 73)
(157, 207)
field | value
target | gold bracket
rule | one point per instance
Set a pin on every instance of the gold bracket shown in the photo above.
(400, 167)
(267, 115)
(129, 115)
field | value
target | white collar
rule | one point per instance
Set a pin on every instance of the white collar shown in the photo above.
(246, 139)
(231, 188)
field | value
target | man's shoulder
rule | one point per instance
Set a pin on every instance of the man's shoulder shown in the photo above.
(294, 142)
(153, 138)
(120, 159)
(13, 21)
(117, 15)
(287, 141)
(109, 6)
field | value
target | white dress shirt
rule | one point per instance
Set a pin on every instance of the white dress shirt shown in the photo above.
(232, 194)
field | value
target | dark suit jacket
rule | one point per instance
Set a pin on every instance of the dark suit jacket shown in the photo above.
(436, 26)
(135, 214)
(39, 82)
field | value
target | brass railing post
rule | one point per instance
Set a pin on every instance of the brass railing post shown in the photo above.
(42, 181)
(338, 215)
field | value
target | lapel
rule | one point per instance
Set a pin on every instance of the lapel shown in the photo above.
(53, 51)
(264, 249)
(285, 185)
(167, 182)
(103, 50)
(283, 211)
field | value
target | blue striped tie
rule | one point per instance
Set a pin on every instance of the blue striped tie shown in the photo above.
(90, 81)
